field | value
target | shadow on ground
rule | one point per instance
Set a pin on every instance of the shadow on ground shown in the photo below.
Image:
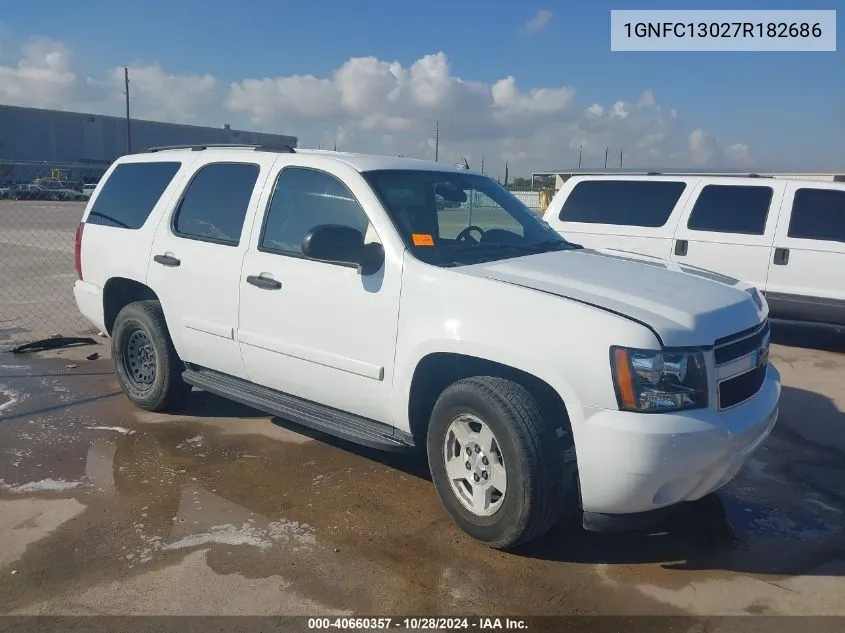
(807, 336)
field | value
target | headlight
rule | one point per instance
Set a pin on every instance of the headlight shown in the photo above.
(654, 381)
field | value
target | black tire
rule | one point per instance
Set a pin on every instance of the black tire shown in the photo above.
(148, 368)
(539, 478)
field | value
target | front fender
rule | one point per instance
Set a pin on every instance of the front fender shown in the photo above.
(483, 350)
(562, 342)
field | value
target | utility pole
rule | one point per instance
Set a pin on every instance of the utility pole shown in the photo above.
(620, 159)
(436, 140)
(128, 123)
(482, 164)
(580, 151)
(605, 155)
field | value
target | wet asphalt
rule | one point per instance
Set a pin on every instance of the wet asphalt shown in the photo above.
(107, 509)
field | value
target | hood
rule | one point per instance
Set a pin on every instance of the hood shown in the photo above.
(682, 304)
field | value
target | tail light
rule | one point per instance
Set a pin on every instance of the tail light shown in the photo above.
(77, 249)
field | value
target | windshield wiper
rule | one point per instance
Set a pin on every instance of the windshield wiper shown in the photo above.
(478, 252)
(547, 244)
(536, 247)
(122, 225)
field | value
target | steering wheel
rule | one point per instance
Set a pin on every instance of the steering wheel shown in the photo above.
(464, 235)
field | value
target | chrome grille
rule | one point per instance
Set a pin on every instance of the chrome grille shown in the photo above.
(738, 345)
(738, 386)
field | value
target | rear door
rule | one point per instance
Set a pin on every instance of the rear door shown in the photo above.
(197, 253)
(807, 277)
(635, 214)
(729, 227)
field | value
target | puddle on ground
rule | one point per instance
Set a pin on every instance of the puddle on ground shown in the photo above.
(9, 399)
(346, 527)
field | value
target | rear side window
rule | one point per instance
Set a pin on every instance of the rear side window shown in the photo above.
(818, 214)
(731, 209)
(214, 205)
(622, 202)
(130, 193)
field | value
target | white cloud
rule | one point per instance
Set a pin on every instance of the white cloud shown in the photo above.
(595, 110)
(156, 94)
(369, 104)
(42, 78)
(738, 154)
(704, 149)
(539, 22)
(646, 99)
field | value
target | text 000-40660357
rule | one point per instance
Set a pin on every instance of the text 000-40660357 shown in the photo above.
(801, 30)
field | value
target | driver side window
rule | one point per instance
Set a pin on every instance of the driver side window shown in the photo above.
(303, 199)
(478, 210)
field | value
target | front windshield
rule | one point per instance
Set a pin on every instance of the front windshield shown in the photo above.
(453, 218)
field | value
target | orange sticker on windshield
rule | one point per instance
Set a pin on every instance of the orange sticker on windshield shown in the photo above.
(422, 239)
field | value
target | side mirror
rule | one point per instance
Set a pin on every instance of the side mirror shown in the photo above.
(342, 245)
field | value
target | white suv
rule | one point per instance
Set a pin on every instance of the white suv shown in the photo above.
(785, 236)
(400, 303)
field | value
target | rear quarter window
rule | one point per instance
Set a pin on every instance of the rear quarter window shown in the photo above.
(818, 214)
(127, 198)
(622, 202)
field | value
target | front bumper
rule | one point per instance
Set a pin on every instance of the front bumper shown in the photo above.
(634, 462)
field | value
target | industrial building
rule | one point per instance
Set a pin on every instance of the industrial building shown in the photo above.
(86, 144)
(561, 176)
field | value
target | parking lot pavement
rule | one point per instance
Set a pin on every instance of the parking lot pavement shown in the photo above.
(106, 509)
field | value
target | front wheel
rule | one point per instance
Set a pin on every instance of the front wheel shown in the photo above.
(496, 463)
(148, 368)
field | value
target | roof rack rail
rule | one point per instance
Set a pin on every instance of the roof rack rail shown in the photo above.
(285, 149)
(757, 176)
(653, 173)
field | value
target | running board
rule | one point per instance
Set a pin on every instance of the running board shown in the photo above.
(346, 426)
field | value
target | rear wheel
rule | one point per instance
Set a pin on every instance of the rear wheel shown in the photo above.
(148, 368)
(499, 468)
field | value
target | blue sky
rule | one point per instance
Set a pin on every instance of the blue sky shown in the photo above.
(787, 108)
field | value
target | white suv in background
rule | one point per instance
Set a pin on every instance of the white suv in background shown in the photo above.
(784, 236)
(406, 304)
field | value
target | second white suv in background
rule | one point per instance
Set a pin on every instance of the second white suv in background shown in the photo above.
(784, 236)
(406, 304)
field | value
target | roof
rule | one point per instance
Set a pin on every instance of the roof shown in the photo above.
(680, 172)
(370, 162)
(359, 162)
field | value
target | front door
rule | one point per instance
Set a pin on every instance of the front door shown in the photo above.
(317, 330)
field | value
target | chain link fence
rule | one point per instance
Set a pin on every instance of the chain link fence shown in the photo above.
(40, 207)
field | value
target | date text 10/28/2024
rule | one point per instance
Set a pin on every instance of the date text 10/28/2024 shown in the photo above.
(418, 623)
